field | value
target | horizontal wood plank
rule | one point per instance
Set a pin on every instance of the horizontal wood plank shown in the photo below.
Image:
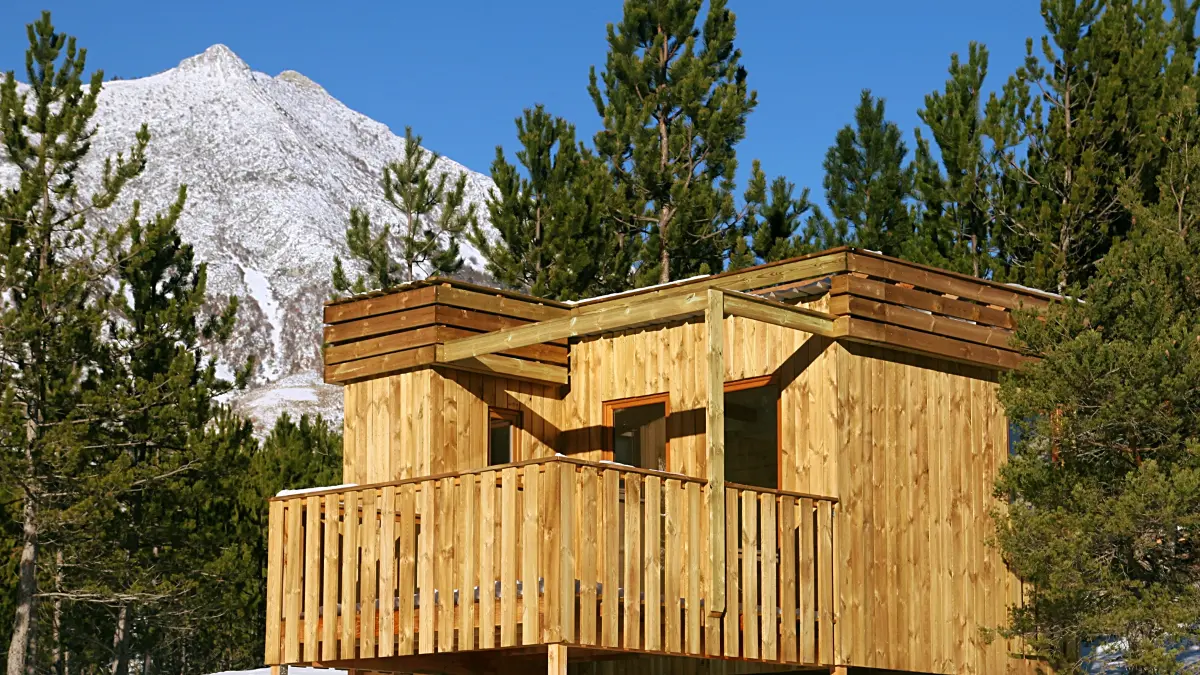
(845, 284)
(922, 321)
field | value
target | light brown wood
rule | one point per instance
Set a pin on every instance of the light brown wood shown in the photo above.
(586, 322)
(331, 566)
(587, 487)
(652, 564)
(507, 366)
(487, 560)
(531, 629)
(369, 536)
(426, 564)
(275, 524)
(349, 574)
(750, 606)
(312, 574)
(846, 284)
(406, 568)
(468, 558)
(714, 322)
(734, 576)
(633, 562)
(770, 575)
(556, 659)
(693, 564)
(777, 313)
(293, 579)
(509, 527)
(387, 572)
(787, 579)
(610, 606)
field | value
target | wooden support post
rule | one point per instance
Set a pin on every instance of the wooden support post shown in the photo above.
(714, 324)
(556, 659)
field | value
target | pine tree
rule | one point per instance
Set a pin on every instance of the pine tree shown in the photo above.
(426, 242)
(955, 226)
(1072, 126)
(154, 401)
(674, 101)
(1105, 481)
(774, 220)
(556, 239)
(54, 294)
(867, 183)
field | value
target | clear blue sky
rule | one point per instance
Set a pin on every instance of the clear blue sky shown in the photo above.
(459, 72)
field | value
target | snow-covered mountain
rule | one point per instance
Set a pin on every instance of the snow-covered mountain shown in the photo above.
(272, 166)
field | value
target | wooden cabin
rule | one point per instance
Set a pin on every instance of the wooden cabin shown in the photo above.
(787, 468)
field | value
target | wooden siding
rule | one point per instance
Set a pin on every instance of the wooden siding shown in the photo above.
(432, 421)
(921, 442)
(670, 359)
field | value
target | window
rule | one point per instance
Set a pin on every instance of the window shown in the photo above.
(752, 432)
(502, 425)
(638, 431)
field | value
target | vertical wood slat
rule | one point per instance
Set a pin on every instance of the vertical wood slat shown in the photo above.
(275, 519)
(674, 563)
(825, 579)
(548, 546)
(349, 574)
(588, 480)
(508, 557)
(566, 555)
(468, 533)
(426, 504)
(312, 576)
(444, 565)
(387, 572)
(787, 579)
(406, 569)
(332, 566)
(487, 557)
(807, 596)
(369, 535)
(750, 640)
(652, 566)
(633, 561)
(293, 581)
(611, 604)
(693, 565)
(531, 630)
(769, 562)
(733, 575)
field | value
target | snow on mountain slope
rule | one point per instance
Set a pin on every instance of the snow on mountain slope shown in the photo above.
(272, 166)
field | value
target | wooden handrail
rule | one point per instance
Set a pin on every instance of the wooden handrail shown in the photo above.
(623, 468)
(781, 493)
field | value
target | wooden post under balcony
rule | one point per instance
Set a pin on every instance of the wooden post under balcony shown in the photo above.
(714, 324)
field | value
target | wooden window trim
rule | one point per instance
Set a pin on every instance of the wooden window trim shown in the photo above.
(513, 417)
(767, 381)
(610, 409)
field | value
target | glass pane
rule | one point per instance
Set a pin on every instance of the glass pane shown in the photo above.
(500, 441)
(640, 436)
(751, 437)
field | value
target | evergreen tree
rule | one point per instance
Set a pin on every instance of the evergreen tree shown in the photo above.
(674, 102)
(426, 242)
(132, 550)
(55, 297)
(954, 228)
(866, 184)
(1105, 481)
(1072, 126)
(774, 219)
(551, 212)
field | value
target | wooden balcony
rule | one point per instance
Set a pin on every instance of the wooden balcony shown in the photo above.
(600, 556)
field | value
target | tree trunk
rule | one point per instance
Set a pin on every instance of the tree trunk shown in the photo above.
(26, 615)
(120, 662)
(60, 660)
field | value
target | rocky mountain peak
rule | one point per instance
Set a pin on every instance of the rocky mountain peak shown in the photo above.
(217, 57)
(273, 166)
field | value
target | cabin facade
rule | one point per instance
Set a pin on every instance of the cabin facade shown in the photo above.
(783, 469)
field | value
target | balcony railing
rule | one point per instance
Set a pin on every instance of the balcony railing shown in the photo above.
(547, 551)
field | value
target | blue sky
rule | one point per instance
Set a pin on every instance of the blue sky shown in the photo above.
(460, 72)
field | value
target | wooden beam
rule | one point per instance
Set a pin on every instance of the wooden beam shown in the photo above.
(943, 281)
(714, 324)
(376, 366)
(770, 311)
(556, 659)
(927, 344)
(507, 366)
(601, 319)
(923, 321)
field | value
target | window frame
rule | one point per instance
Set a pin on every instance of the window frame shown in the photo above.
(756, 383)
(610, 410)
(513, 417)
